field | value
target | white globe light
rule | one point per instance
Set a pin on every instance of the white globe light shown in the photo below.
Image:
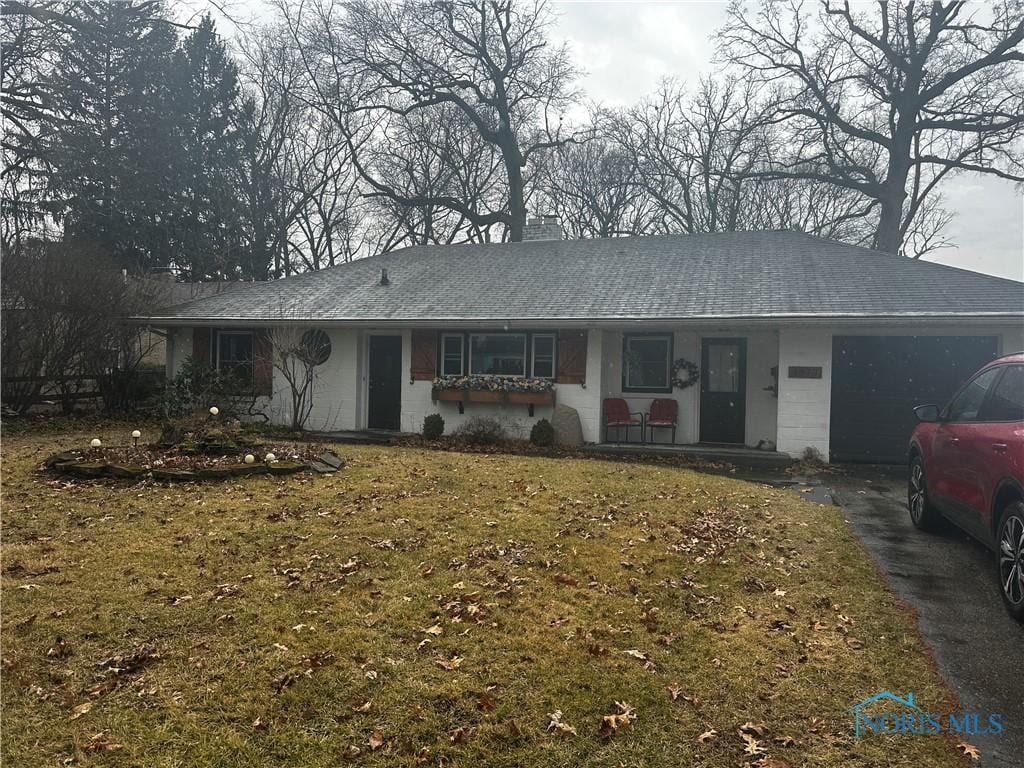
(95, 442)
(249, 458)
(136, 434)
(214, 410)
(271, 457)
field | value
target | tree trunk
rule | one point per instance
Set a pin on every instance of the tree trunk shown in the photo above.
(516, 198)
(888, 236)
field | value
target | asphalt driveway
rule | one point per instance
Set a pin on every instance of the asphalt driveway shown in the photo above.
(948, 578)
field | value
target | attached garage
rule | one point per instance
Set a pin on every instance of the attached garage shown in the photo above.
(877, 381)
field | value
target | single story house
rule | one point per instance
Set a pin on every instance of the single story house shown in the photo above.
(773, 338)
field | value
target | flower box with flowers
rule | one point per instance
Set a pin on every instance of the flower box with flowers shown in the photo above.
(494, 389)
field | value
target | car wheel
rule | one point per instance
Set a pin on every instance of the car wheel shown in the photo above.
(922, 514)
(1011, 559)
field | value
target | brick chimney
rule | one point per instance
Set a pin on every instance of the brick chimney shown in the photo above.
(542, 228)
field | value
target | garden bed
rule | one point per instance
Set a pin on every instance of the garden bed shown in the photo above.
(174, 463)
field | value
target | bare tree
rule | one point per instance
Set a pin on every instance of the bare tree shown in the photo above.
(490, 60)
(63, 310)
(295, 354)
(595, 187)
(888, 102)
(698, 155)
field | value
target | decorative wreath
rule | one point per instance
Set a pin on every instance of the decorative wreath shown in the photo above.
(684, 373)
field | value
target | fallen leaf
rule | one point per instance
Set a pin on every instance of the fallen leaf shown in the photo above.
(751, 745)
(80, 710)
(97, 743)
(674, 690)
(969, 750)
(784, 741)
(760, 730)
(454, 663)
(435, 630)
(707, 736)
(376, 740)
(555, 724)
(636, 654)
(364, 707)
(610, 724)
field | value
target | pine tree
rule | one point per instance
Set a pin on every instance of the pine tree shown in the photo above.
(205, 219)
(106, 143)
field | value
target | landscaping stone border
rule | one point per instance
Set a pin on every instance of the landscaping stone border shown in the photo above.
(73, 463)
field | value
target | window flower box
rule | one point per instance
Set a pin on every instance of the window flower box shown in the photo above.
(494, 389)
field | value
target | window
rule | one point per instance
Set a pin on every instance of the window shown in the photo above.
(965, 406)
(723, 363)
(451, 354)
(234, 354)
(1006, 403)
(544, 356)
(647, 363)
(499, 354)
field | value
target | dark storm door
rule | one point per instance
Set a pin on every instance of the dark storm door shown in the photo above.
(723, 391)
(384, 409)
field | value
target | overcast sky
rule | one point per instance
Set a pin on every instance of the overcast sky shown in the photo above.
(625, 48)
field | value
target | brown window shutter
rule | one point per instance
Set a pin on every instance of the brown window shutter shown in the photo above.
(262, 363)
(201, 352)
(572, 357)
(424, 355)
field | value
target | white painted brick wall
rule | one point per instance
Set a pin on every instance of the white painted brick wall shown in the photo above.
(803, 405)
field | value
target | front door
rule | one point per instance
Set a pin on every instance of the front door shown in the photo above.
(384, 409)
(723, 391)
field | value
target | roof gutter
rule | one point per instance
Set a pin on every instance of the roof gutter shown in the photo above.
(981, 318)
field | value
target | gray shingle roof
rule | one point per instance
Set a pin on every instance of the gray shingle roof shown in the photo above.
(729, 275)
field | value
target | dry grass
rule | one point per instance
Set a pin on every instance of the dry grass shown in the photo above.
(433, 608)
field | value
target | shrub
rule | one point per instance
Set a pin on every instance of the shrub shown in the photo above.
(198, 386)
(433, 426)
(542, 434)
(481, 430)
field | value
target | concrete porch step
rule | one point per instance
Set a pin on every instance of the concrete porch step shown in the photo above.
(361, 437)
(741, 457)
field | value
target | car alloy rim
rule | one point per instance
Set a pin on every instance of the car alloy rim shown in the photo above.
(916, 491)
(1011, 559)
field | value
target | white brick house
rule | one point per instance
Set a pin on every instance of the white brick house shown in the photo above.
(800, 342)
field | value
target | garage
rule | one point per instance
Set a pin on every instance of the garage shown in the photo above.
(877, 381)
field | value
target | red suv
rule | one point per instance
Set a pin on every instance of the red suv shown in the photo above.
(967, 464)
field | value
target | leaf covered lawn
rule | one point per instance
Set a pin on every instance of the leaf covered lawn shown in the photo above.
(430, 608)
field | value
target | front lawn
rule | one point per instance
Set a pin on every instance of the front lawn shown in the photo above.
(430, 608)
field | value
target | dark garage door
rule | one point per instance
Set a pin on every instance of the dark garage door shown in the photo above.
(877, 380)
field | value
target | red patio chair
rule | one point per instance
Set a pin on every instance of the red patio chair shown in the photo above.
(618, 415)
(664, 414)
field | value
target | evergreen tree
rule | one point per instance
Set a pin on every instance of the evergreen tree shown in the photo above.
(107, 138)
(205, 217)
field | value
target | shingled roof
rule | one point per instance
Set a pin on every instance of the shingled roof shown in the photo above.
(738, 275)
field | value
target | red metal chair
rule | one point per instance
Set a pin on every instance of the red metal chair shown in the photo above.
(664, 414)
(618, 415)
